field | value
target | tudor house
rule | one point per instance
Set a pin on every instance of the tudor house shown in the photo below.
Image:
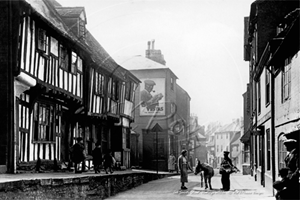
(57, 84)
(271, 47)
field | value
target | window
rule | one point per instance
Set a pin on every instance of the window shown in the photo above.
(54, 46)
(43, 122)
(268, 150)
(99, 83)
(130, 89)
(74, 63)
(268, 77)
(286, 79)
(258, 97)
(63, 58)
(281, 152)
(42, 42)
(81, 29)
(172, 83)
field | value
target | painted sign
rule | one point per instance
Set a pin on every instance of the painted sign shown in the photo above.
(152, 96)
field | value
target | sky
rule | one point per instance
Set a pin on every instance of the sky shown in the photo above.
(201, 40)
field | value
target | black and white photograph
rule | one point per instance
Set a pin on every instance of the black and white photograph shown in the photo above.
(149, 99)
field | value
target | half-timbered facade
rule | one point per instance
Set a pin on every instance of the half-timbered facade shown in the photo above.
(64, 86)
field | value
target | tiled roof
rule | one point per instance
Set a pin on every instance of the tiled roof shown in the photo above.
(51, 14)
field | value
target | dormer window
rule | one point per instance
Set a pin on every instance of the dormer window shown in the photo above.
(81, 31)
(75, 19)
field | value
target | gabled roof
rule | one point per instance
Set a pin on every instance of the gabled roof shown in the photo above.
(70, 11)
(49, 11)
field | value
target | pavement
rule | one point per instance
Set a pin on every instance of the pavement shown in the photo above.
(58, 175)
(242, 187)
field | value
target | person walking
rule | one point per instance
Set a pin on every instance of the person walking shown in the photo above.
(292, 163)
(97, 157)
(77, 154)
(171, 163)
(183, 167)
(226, 169)
(108, 162)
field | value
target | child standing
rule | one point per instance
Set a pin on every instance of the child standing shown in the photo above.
(97, 157)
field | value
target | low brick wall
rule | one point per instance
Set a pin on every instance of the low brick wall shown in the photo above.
(87, 187)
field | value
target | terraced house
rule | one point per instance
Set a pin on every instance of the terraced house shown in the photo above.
(272, 49)
(58, 83)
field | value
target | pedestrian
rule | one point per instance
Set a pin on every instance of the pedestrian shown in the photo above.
(226, 169)
(292, 163)
(171, 163)
(97, 157)
(108, 162)
(78, 155)
(183, 167)
(280, 186)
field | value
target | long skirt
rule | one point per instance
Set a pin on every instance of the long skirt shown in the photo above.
(184, 174)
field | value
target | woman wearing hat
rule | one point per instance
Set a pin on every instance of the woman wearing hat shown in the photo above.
(183, 166)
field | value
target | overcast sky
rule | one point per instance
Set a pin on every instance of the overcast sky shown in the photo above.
(201, 40)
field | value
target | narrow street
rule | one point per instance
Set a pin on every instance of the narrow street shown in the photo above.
(243, 187)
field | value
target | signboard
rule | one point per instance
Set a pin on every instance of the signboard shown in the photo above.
(152, 96)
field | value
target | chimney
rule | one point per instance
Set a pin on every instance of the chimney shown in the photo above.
(153, 44)
(153, 54)
(149, 43)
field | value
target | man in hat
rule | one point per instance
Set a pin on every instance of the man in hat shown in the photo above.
(147, 99)
(226, 168)
(292, 163)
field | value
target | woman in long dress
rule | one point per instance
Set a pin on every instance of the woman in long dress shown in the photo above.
(183, 166)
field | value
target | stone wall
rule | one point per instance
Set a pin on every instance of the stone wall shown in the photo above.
(87, 187)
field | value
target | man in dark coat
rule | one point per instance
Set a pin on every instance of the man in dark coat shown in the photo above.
(77, 154)
(97, 157)
(226, 166)
(292, 163)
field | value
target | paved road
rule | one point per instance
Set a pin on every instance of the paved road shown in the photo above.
(242, 188)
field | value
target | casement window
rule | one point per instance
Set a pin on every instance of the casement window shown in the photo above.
(128, 93)
(44, 122)
(268, 150)
(54, 46)
(42, 40)
(286, 79)
(81, 31)
(258, 96)
(268, 91)
(282, 152)
(73, 68)
(63, 58)
(99, 83)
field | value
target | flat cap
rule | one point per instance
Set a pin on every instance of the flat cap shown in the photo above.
(149, 82)
(226, 152)
(289, 141)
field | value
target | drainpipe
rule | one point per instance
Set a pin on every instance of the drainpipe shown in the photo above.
(273, 124)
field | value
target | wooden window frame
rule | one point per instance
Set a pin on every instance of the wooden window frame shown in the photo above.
(64, 57)
(286, 79)
(268, 87)
(47, 123)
